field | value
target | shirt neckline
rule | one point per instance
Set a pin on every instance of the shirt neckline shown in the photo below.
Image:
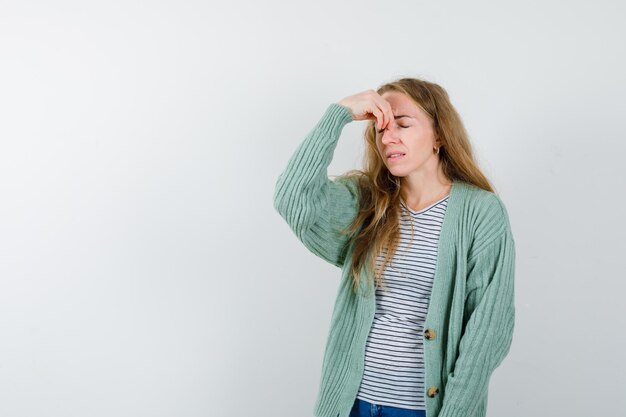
(425, 208)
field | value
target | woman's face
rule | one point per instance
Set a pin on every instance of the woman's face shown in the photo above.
(411, 134)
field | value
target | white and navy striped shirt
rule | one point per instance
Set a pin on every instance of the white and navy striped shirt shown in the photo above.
(394, 353)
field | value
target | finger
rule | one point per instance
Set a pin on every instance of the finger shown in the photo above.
(376, 109)
(379, 117)
(385, 108)
(388, 111)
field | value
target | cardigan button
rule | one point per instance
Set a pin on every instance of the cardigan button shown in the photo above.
(429, 334)
(432, 391)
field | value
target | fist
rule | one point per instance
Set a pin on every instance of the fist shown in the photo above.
(369, 105)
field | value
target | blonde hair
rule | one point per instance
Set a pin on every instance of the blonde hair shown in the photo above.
(376, 228)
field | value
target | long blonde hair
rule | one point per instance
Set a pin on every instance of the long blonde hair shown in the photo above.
(377, 221)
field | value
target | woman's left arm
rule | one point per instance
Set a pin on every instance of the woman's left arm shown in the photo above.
(489, 329)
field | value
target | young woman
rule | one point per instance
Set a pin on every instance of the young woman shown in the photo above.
(425, 310)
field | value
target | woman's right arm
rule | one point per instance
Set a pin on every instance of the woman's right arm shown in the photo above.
(315, 207)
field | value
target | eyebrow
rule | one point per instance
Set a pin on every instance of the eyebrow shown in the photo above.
(400, 116)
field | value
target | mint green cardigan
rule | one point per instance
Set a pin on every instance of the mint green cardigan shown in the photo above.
(471, 310)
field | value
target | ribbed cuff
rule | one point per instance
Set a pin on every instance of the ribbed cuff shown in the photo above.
(335, 117)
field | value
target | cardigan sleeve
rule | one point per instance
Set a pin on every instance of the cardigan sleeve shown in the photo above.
(315, 207)
(488, 332)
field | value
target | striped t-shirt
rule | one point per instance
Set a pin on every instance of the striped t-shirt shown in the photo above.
(394, 353)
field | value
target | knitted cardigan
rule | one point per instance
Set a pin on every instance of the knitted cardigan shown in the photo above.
(471, 311)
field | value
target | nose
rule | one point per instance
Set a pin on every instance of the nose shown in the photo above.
(389, 135)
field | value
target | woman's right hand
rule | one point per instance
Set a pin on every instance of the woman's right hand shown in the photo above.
(369, 105)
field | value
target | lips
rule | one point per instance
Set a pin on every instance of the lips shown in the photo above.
(395, 153)
(395, 158)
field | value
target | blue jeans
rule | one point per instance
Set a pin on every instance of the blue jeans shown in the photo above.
(362, 408)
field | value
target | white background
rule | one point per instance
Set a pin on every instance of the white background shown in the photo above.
(143, 268)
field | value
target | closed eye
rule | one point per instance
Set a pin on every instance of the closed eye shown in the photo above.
(404, 127)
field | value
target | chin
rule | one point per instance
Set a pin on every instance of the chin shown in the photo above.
(398, 172)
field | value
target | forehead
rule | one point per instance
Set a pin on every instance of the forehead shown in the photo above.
(401, 104)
